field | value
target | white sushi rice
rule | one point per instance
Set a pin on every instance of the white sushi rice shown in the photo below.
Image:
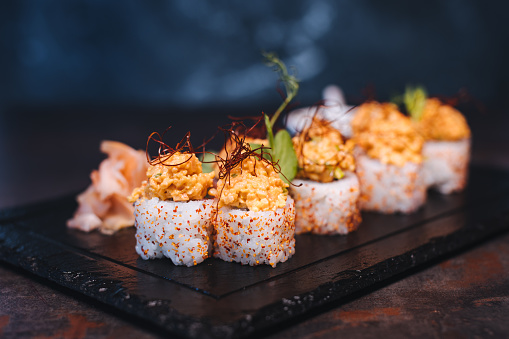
(446, 164)
(254, 238)
(327, 208)
(180, 231)
(388, 188)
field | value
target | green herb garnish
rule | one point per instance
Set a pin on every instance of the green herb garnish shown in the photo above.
(338, 173)
(285, 153)
(270, 134)
(157, 175)
(281, 145)
(207, 160)
(290, 83)
(261, 149)
(414, 99)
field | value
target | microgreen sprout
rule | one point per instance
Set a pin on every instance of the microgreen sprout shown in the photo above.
(290, 82)
(281, 146)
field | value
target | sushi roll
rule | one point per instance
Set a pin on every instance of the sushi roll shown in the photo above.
(326, 191)
(446, 149)
(180, 231)
(172, 218)
(255, 220)
(389, 158)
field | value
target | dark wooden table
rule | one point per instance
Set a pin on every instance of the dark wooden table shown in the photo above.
(47, 153)
(464, 296)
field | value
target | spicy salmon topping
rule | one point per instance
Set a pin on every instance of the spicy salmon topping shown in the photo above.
(384, 133)
(442, 122)
(178, 177)
(253, 184)
(322, 154)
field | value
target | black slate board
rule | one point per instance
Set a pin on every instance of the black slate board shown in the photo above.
(218, 299)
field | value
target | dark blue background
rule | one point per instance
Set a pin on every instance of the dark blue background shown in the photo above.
(199, 54)
(73, 73)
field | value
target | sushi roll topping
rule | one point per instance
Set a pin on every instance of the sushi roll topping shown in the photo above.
(248, 178)
(175, 174)
(252, 184)
(384, 133)
(433, 119)
(322, 154)
(442, 122)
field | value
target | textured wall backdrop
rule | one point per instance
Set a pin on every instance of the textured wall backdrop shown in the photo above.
(200, 53)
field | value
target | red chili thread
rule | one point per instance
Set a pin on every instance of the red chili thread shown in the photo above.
(165, 151)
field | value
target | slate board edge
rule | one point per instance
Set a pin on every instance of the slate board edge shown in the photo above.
(333, 292)
(278, 312)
